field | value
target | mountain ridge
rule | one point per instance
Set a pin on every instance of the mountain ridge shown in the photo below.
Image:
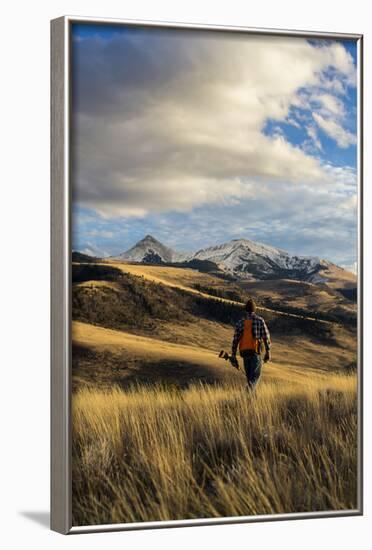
(241, 258)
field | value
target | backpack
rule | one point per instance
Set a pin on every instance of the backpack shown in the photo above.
(248, 343)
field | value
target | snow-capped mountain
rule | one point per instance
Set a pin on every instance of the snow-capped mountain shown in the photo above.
(150, 250)
(241, 258)
(250, 260)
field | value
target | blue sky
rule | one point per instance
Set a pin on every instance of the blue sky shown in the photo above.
(199, 138)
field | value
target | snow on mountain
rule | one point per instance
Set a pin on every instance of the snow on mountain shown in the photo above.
(241, 258)
(250, 260)
(150, 250)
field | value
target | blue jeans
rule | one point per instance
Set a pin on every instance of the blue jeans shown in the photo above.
(252, 366)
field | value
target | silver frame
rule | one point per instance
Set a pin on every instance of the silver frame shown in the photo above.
(61, 493)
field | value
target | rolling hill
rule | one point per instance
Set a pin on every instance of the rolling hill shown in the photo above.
(158, 418)
(289, 296)
(147, 323)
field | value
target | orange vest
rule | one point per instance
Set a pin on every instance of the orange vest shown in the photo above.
(247, 340)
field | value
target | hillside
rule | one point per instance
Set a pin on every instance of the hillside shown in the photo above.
(150, 309)
(317, 299)
(164, 429)
(122, 358)
(304, 299)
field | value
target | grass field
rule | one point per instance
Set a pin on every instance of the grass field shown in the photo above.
(117, 357)
(164, 430)
(154, 453)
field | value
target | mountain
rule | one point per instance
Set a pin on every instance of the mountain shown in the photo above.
(83, 258)
(244, 260)
(149, 250)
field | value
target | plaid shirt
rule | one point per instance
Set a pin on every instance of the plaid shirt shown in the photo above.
(260, 331)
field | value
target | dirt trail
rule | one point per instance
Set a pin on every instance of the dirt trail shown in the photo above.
(147, 272)
(152, 350)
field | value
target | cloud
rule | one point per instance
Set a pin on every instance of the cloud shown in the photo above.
(302, 219)
(313, 135)
(331, 104)
(92, 250)
(342, 137)
(171, 120)
(353, 268)
(102, 233)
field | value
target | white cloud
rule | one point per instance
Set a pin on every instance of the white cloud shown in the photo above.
(350, 203)
(102, 233)
(334, 130)
(171, 120)
(303, 219)
(331, 104)
(313, 135)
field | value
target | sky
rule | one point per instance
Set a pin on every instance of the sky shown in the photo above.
(199, 137)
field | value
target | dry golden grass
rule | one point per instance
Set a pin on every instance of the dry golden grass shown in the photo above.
(185, 280)
(152, 453)
(118, 357)
(338, 277)
(302, 295)
(171, 276)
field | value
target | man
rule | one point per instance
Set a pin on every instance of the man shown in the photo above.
(250, 333)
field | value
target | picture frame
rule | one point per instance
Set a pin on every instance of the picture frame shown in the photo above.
(61, 271)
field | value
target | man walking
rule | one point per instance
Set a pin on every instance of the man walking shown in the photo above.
(250, 333)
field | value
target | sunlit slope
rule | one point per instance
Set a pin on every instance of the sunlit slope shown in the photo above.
(315, 298)
(134, 304)
(150, 324)
(129, 356)
(175, 277)
(205, 285)
(339, 278)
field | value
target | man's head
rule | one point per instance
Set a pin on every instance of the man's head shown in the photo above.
(250, 306)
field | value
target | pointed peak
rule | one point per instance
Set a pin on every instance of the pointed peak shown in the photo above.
(149, 238)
